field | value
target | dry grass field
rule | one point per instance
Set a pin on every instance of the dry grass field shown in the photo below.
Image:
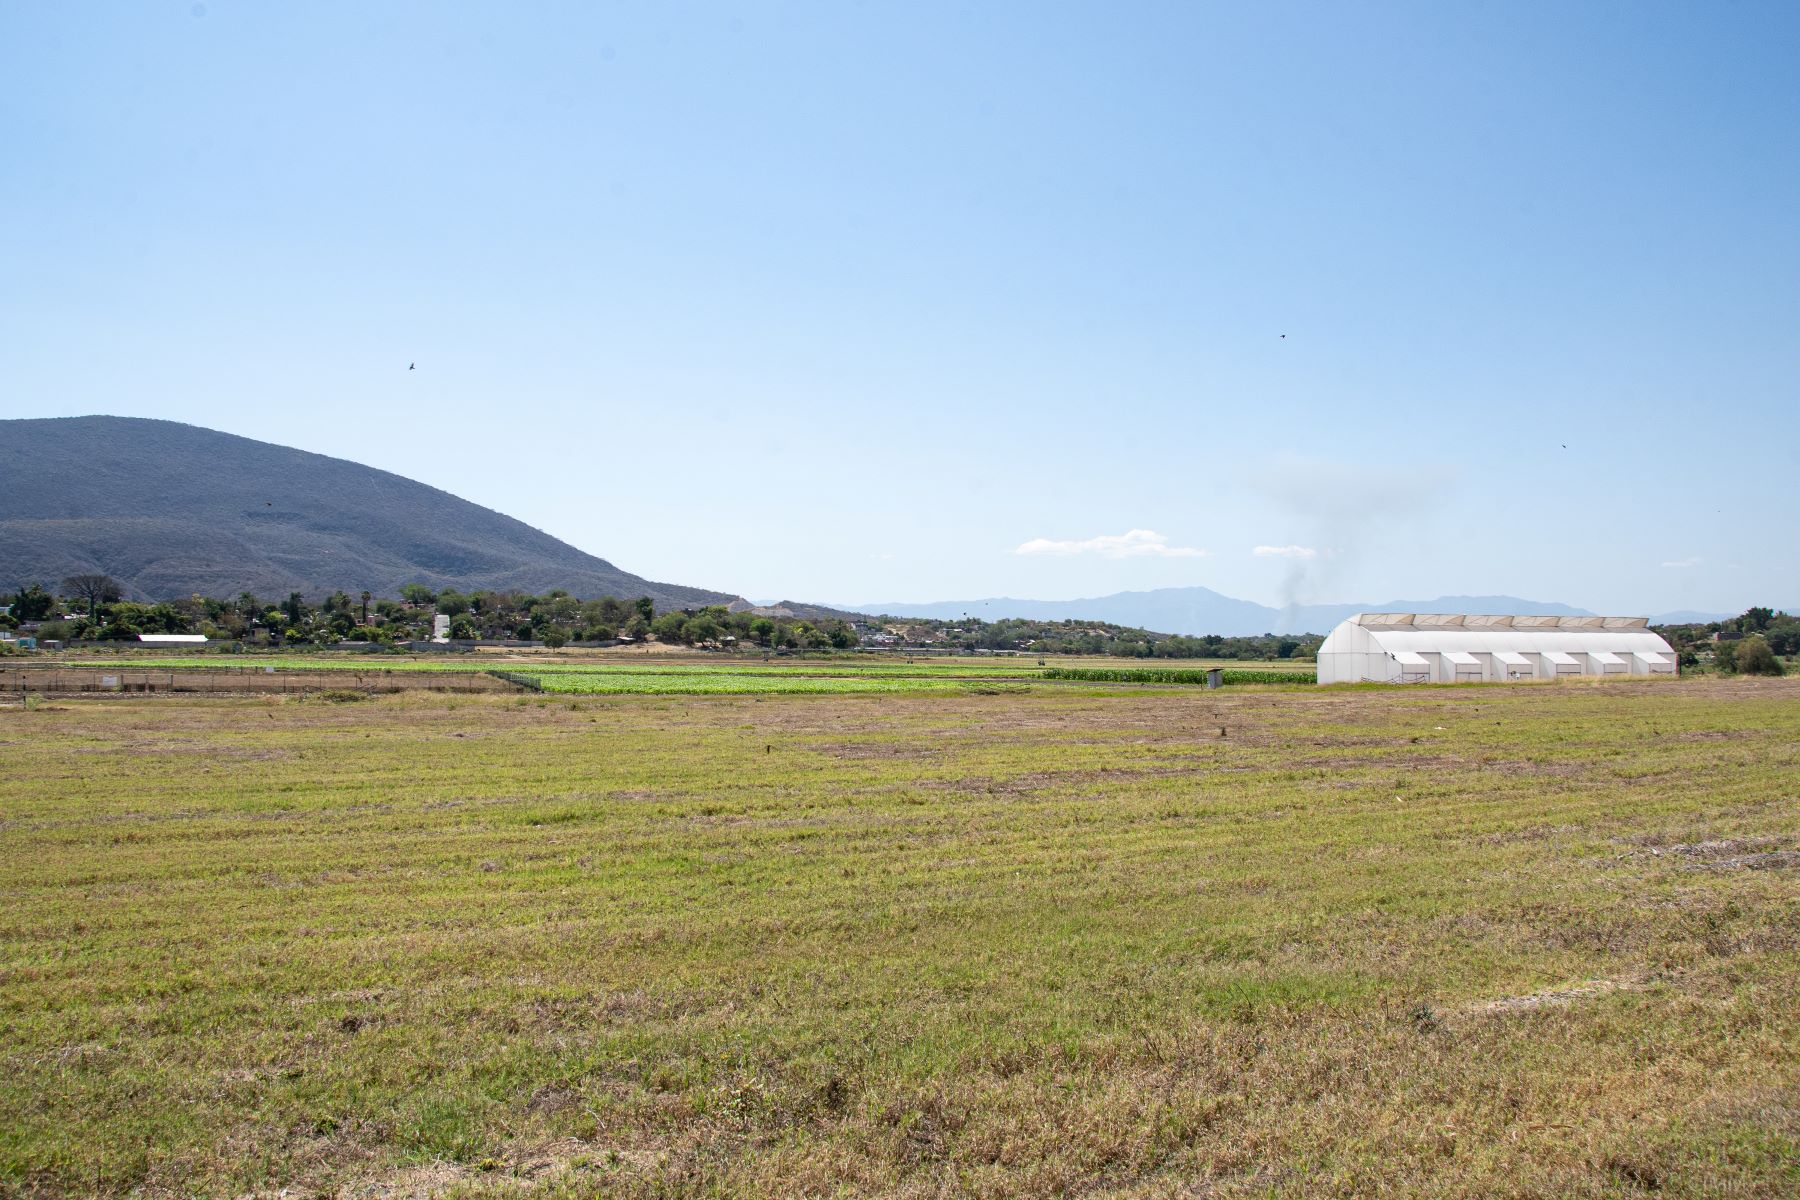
(1541, 941)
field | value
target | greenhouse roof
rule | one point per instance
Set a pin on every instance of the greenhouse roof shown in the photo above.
(1486, 622)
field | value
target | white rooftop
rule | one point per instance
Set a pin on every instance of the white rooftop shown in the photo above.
(1448, 647)
(1474, 622)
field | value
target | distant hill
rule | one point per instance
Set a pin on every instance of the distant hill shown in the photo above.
(172, 510)
(1197, 611)
(797, 610)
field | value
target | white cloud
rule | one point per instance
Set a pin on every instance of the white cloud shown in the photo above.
(1683, 563)
(1134, 543)
(1285, 552)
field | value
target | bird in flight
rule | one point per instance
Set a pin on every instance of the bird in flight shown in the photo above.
(1565, 445)
(411, 366)
(1284, 337)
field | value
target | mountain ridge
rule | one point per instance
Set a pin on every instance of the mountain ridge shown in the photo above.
(172, 510)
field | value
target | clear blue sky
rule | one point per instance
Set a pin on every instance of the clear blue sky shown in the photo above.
(852, 302)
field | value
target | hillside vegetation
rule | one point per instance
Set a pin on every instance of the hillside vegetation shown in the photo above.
(174, 510)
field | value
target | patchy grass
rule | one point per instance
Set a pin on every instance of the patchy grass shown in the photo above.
(1535, 941)
(729, 683)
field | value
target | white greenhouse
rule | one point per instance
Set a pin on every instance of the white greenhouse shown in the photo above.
(1453, 648)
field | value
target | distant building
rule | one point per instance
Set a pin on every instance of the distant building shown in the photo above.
(171, 639)
(1460, 648)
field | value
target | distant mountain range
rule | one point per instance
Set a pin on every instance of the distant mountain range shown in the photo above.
(1197, 611)
(172, 510)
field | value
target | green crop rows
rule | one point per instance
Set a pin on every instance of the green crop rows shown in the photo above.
(1155, 675)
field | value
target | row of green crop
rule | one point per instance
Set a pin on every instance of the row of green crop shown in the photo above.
(1232, 675)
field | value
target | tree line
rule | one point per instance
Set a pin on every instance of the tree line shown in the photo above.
(1119, 641)
(90, 608)
(1752, 643)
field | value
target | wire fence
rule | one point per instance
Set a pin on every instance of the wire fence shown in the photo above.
(62, 679)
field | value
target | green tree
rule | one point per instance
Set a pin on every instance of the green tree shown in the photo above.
(555, 638)
(160, 618)
(646, 608)
(558, 606)
(33, 604)
(1755, 620)
(418, 595)
(1784, 635)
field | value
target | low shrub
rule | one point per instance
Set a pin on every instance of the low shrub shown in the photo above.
(1755, 657)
